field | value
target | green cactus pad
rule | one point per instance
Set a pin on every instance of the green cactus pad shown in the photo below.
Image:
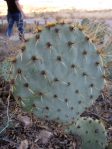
(59, 73)
(92, 132)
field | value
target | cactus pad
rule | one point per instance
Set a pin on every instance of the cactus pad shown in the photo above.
(92, 132)
(59, 73)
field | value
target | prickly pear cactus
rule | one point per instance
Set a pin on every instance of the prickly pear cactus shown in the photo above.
(59, 73)
(85, 22)
(107, 54)
(97, 30)
(92, 132)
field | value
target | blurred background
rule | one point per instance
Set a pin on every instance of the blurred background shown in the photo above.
(54, 5)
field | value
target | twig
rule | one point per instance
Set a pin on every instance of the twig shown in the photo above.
(8, 118)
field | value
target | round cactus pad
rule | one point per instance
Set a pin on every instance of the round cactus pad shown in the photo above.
(92, 132)
(59, 73)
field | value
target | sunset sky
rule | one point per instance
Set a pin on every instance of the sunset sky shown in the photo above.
(79, 4)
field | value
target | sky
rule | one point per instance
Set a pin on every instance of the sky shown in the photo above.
(78, 4)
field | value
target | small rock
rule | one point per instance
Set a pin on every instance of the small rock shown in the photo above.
(25, 120)
(23, 145)
(44, 136)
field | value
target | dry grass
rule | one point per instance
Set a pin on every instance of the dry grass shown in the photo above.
(104, 14)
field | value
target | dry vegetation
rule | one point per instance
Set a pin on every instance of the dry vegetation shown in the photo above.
(73, 13)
